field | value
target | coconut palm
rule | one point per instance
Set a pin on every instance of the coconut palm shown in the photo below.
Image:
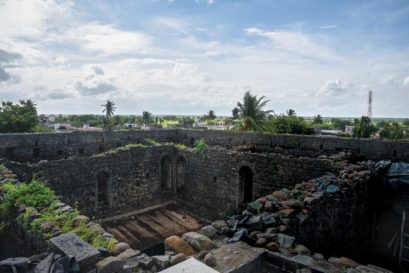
(291, 113)
(109, 109)
(251, 112)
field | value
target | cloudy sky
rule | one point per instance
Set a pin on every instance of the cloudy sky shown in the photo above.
(189, 56)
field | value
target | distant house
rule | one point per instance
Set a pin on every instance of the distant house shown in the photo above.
(62, 126)
(219, 125)
(132, 126)
(349, 129)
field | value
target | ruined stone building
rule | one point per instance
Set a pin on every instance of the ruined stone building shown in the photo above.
(143, 191)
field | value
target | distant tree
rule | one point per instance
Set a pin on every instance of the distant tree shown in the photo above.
(317, 119)
(285, 124)
(363, 127)
(406, 122)
(235, 112)
(210, 116)
(251, 111)
(291, 113)
(339, 124)
(393, 131)
(18, 118)
(147, 117)
(109, 109)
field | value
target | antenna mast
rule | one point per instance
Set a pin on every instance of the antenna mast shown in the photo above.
(370, 104)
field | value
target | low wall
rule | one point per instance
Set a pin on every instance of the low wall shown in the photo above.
(38, 146)
(307, 145)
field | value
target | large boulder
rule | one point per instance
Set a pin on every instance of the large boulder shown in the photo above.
(178, 258)
(205, 242)
(77, 220)
(110, 265)
(210, 260)
(128, 253)
(302, 250)
(179, 245)
(209, 231)
(71, 245)
(119, 248)
(280, 195)
(161, 261)
(219, 225)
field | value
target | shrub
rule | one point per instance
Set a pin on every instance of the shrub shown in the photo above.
(181, 147)
(42, 202)
(199, 146)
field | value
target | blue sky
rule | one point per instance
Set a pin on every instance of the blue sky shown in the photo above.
(186, 57)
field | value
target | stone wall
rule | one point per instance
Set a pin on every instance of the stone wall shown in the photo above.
(306, 145)
(132, 179)
(213, 185)
(139, 177)
(35, 147)
(340, 222)
(51, 146)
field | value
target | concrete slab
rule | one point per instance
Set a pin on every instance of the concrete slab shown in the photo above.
(72, 245)
(238, 257)
(190, 265)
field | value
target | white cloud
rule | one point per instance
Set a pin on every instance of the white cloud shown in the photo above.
(107, 39)
(294, 43)
(209, 2)
(406, 81)
(328, 26)
(334, 87)
(94, 82)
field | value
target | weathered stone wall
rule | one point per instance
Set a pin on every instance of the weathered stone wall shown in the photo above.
(51, 146)
(306, 145)
(213, 181)
(207, 182)
(133, 179)
(34, 147)
(340, 221)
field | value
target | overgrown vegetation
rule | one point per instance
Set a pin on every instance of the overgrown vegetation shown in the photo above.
(18, 118)
(120, 149)
(199, 146)
(151, 142)
(41, 206)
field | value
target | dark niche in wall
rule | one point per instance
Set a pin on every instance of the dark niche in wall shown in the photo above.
(246, 185)
(166, 173)
(180, 172)
(103, 189)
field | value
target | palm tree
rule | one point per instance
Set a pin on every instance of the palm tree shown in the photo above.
(109, 109)
(251, 111)
(291, 113)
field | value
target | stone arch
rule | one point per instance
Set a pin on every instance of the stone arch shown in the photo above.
(246, 183)
(180, 172)
(104, 185)
(166, 173)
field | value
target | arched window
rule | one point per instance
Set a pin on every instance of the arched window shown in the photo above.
(103, 189)
(166, 173)
(246, 185)
(180, 172)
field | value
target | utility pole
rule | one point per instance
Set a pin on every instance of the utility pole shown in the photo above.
(370, 104)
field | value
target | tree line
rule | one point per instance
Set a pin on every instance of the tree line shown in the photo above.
(250, 114)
